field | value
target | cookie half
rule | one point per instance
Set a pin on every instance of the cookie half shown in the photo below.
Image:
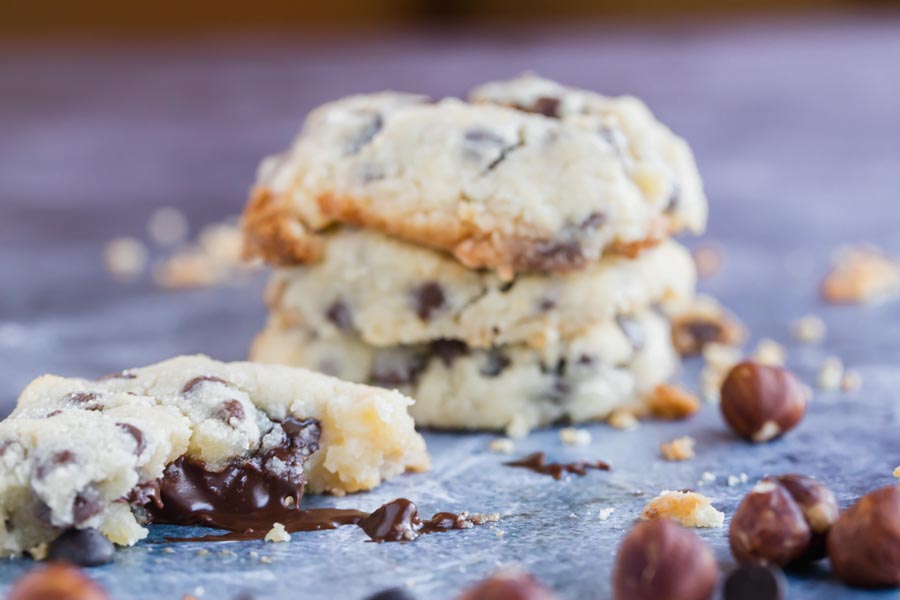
(389, 293)
(510, 387)
(191, 441)
(498, 187)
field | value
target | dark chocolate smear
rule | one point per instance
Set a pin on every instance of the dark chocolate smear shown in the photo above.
(537, 462)
(249, 493)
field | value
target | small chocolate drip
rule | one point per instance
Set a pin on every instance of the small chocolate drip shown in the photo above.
(537, 462)
(396, 521)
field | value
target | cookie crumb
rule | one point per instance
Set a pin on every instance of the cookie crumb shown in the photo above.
(125, 258)
(604, 513)
(681, 448)
(809, 329)
(671, 402)
(851, 381)
(861, 274)
(706, 478)
(703, 321)
(689, 509)
(503, 446)
(168, 550)
(265, 560)
(39, 552)
(831, 374)
(769, 352)
(622, 419)
(897, 472)
(202, 552)
(572, 436)
(278, 534)
(709, 259)
(167, 226)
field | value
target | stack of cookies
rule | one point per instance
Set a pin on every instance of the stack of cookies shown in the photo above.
(503, 260)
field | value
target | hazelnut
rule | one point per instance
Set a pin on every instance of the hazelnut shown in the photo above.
(57, 581)
(659, 559)
(761, 402)
(509, 584)
(864, 543)
(783, 520)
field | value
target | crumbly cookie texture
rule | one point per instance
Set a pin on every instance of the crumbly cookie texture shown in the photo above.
(95, 454)
(497, 187)
(388, 292)
(686, 508)
(512, 387)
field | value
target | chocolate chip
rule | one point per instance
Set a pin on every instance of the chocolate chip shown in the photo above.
(231, 409)
(633, 331)
(392, 594)
(479, 135)
(547, 106)
(84, 400)
(429, 297)
(593, 221)
(585, 360)
(340, 315)
(82, 547)
(495, 363)
(553, 255)
(86, 505)
(674, 199)
(390, 370)
(54, 413)
(480, 141)
(190, 385)
(364, 135)
(546, 305)
(56, 459)
(449, 350)
(505, 287)
(119, 375)
(303, 435)
(559, 391)
(754, 582)
(136, 433)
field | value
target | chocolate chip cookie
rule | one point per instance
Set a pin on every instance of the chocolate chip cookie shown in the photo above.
(512, 387)
(190, 441)
(497, 187)
(388, 292)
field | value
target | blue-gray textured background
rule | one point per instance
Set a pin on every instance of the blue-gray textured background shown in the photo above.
(796, 127)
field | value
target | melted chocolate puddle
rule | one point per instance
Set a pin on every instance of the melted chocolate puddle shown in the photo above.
(537, 462)
(396, 521)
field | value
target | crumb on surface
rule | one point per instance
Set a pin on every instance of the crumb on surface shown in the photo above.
(689, 509)
(167, 226)
(709, 259)
(622, 419)
(668, 401)
(769, 352)
(278, 534)
(702, 321)
(604, 513)
(169, 550)
(831, 374)
(851, 381)
(706, 478)
(734, 480)
(861, 274)
(809, 329)
(572, 436)
(681, 448)
(265, 560)
(897, 472)
(503, 446)
(125, 258)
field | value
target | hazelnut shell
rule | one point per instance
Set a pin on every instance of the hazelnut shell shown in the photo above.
(57, 581)
(660, 559)
(762, 402)
(864, 543)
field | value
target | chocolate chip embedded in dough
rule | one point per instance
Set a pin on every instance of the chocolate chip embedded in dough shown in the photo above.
(86, 505)
(63, 457)
(546, 105)
(231, 409)
(495, 363)
(340, 315)
(593, 221)
(364, 135)
(193, 383)
(428, 297)
(136, 433)
(448, 350)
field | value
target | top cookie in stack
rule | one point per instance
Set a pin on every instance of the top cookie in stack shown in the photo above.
(498, 259)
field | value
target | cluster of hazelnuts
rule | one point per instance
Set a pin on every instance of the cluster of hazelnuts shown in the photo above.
(784, 521)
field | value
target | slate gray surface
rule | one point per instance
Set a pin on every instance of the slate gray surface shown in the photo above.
(797, 130)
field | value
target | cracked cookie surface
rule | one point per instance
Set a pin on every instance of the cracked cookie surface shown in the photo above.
(497, 187)
(190, 441)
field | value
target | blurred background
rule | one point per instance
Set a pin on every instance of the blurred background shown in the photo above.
(116, 117)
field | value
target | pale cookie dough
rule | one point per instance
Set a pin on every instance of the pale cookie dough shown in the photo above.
(497, 187)
(656, 159)
(388, 293)
(109, 454)
(513, 388)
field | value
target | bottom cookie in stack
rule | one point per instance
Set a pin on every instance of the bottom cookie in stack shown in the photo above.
(511, 387)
